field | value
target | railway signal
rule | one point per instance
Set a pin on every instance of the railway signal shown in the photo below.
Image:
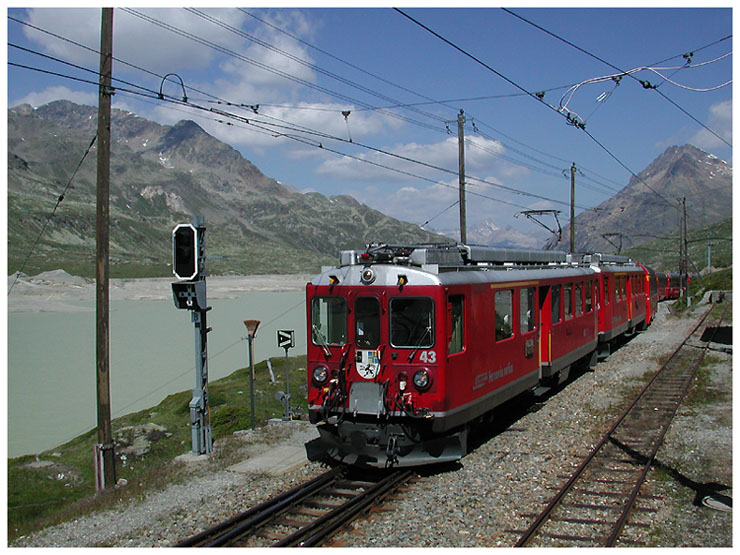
(189, 293)
(185, 252)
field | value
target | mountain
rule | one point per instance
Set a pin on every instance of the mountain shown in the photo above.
(489, 234)
(160, 176)
(651, 204)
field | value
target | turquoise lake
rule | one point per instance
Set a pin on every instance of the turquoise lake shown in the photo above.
(51, 359)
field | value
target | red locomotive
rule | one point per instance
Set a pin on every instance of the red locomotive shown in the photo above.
(409, 345)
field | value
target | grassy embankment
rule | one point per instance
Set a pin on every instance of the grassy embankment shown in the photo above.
(58, 484)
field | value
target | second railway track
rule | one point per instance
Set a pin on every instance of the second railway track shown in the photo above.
(600, 498)
(306, 515)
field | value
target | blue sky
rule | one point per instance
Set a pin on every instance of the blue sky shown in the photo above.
(374, 63)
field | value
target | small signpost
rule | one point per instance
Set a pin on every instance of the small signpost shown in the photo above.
(286, 340)
(251, 326)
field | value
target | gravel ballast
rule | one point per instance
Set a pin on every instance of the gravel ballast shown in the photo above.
(513, 471)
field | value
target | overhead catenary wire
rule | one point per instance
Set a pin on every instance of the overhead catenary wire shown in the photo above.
(315, 67)
(212, 96)
(305, 63)
(643, 83)
(266, 126)
(570, 120)
(281, 133)
(303, 129)
(53, 211)
(265, 67)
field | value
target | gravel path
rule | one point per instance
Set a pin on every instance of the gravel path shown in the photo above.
(477, 502)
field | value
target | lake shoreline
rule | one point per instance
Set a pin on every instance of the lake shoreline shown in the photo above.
(54, 291)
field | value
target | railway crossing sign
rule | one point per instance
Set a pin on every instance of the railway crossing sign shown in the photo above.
(286, 338)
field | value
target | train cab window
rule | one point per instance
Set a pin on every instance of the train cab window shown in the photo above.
(607, 296)
(367, 322)
(457, 324)
(555, 304)
(579, 299)
(589, 304)
(412, 322)
(329, 321)
(568, 301)
(504, 314)
(526, 309)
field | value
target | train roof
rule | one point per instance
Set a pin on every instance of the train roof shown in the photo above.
(448, 263)
(456, 256)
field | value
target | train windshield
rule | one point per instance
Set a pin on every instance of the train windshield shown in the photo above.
(329, 321)
(367, 322)
(412, 322)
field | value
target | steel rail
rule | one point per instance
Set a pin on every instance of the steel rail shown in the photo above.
(619, 526)
(319, 529)
(236, 528)
(239, 524)
(546, 513)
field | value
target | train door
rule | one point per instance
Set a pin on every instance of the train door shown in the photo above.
(545, 318)
(527, 321)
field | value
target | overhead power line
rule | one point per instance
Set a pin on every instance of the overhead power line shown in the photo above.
(621, 71)
(51, 214)
(538, 98)
(151, 93)
(265, 67)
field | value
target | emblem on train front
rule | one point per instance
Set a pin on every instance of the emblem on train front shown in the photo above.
(367, 363)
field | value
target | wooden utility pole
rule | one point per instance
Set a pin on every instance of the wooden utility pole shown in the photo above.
(461, 161)
(105, 435)
(572, 208)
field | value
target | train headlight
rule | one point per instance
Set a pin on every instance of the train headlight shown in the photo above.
(422, 380)
(367, 276)
(320, 375)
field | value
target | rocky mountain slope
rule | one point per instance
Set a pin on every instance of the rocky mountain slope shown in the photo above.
(161, 176)
(651, 206)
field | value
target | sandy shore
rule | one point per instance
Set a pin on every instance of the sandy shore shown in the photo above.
(57, 291)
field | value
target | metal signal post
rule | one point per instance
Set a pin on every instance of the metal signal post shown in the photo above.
(188, 266)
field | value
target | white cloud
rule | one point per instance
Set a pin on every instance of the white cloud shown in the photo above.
(50, 94)
(134, 39)
(719, 121)
(415, 159)
(438, 203)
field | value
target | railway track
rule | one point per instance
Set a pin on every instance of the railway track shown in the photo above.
(306, 515)
(602, 496)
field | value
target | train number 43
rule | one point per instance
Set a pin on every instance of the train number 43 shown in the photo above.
(429, 357)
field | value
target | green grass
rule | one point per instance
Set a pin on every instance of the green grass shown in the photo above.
(662, 254)
(37, 498)
(716, 281)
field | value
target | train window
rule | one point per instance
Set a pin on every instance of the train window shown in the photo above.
(367, 322)
(329, 321)
(526, 309)
(589, 305)
(504, 314)
(607, 296)
(412, 322)
(568, 301)
(555, 304)
(457, 327)
(579, 299)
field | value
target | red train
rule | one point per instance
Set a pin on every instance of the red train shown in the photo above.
(410, 345)
(673, 285)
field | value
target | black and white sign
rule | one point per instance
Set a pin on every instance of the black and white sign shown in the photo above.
(286, 338)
